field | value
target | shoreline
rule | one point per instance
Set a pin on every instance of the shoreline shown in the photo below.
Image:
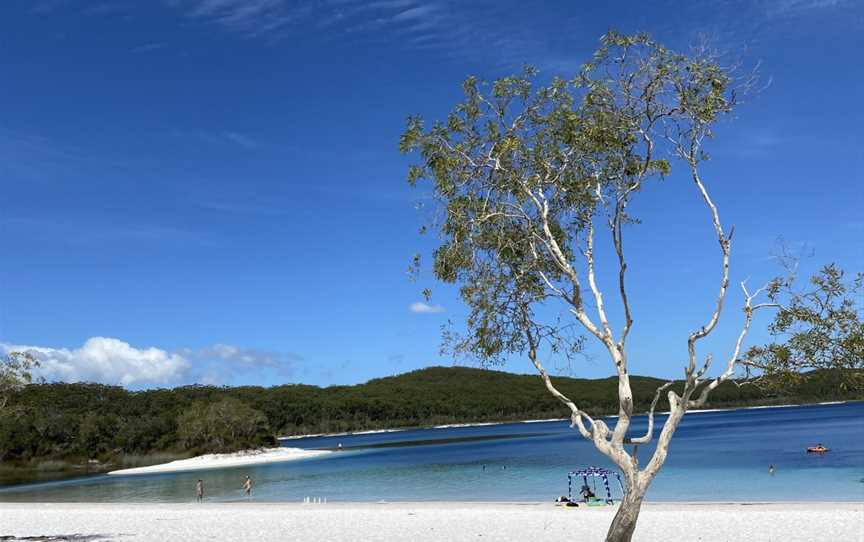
(427, 522)
(485, 424)
(221, 461)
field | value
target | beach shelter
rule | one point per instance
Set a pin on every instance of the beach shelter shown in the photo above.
(594, 472)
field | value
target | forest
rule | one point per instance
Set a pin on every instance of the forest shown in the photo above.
(61, 424)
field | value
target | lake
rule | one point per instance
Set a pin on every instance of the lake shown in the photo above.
(715, 456)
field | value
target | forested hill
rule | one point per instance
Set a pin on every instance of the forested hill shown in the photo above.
(96, 421)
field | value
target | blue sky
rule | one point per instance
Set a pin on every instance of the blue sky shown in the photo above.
(210, 190)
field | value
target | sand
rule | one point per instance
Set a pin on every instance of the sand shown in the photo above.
(221, 461)
(428, 522)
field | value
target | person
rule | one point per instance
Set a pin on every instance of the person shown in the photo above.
(339, 447)
(771, 470)
(247, 487)
(587, 493)
(199, 490)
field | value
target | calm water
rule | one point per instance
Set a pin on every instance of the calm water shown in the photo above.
(715, 456)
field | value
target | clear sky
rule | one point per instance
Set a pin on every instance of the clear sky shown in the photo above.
(210, 190)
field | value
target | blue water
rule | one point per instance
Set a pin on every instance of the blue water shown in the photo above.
(715, 456)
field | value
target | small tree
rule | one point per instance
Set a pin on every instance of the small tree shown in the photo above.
(817, 328)
(16, 371)
(524, 174)
(224, 426)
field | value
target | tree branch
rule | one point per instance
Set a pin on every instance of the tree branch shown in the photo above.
(649, 434)
(749, 309)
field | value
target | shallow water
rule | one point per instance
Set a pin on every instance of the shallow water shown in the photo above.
(715, 456)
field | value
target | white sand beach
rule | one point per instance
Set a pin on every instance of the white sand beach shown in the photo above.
(221, 461)
(422, 522)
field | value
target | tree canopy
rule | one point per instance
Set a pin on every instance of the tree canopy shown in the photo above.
(524, 173)
(15, 373)
(816, 327)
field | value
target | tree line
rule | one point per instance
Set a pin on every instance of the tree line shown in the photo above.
(76, 422)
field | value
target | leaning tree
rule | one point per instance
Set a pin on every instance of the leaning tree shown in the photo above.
(526, 174)
(16, 371)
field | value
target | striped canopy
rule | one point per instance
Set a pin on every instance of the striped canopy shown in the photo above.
(598, 472)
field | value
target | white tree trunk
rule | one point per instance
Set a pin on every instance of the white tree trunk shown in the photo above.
(624, 523)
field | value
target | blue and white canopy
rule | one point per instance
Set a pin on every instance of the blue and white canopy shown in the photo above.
(594, 472)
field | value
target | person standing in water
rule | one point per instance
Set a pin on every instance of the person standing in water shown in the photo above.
(199, 490)
(771, 470)
(247, 487)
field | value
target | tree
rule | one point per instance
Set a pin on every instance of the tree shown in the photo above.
(15, 373)
(223, 426)
(523, 174)
(817, 329)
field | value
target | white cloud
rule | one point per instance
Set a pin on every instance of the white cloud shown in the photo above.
(222, 364)
(108, 361)
(247, 356)
(115, 362)
(424, 308)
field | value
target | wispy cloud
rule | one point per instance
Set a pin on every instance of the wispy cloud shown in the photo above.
(254, 17)
(47, 6)
(148, 47)
(485, 30)
(424, 308)
(249, 357)
(758, 143)
(413, 14)
(412, 24)
(106, 8)
(99, 232)
(36, 157)
(239, 139)
(220, 137)
(239, 207)
(221, 364)
(795, 8)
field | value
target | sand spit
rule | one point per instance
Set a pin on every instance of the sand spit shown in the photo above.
(221, 461)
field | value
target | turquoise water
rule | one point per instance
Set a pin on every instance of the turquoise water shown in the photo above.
(715, 456)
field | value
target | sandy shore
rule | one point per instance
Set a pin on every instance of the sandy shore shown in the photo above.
(422, 522)
(221, 461)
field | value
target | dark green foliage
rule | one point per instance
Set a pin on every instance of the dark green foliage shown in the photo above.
(224, 426)
(55, 421)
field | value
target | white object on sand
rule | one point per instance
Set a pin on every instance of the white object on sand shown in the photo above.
(221, 461)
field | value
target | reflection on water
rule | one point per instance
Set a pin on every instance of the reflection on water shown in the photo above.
(714, 456)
